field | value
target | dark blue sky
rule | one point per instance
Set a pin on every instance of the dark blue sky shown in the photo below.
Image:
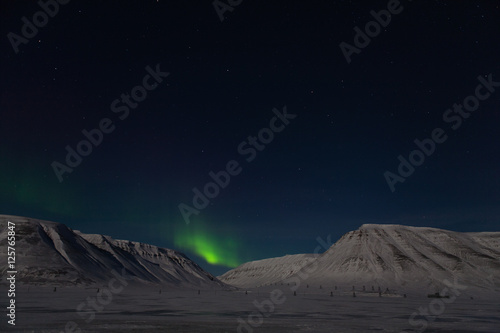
(322, 174)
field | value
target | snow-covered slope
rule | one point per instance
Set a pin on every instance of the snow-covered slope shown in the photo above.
(52, 253)
(395, 256)
(266, 271)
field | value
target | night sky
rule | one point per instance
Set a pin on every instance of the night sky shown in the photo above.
(206, 95)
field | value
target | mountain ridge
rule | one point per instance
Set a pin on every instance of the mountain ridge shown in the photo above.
(392, 254)
(51, 253)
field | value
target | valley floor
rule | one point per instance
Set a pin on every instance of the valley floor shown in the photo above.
(41, 309)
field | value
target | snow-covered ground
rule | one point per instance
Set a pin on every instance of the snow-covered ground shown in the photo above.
(312, 310)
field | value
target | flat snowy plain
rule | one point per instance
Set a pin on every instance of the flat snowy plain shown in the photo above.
(313, 310)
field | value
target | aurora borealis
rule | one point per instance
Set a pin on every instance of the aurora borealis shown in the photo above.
(215, 247)
(323, 175)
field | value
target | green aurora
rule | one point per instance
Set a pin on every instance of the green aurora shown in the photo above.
(215, 248)
(43, 197)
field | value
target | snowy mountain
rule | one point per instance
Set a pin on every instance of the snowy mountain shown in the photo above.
(52, 253)
(266, 271)
(395, 256)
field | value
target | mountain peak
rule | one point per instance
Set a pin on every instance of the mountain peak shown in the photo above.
(389, 226)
